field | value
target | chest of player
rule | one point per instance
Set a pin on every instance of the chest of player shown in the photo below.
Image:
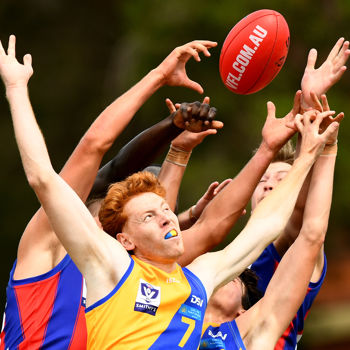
(150, 308)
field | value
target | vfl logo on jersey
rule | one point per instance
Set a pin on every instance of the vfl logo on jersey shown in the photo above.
(148, 298)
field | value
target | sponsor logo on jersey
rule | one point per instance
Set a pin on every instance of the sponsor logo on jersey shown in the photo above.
(192, 308)
(213, 339)
(172, 280)
(218, 334)
(196, 300)
(148, 298)
(190, 312)
(210, 343)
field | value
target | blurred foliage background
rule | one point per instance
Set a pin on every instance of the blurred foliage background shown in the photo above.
(87, 53)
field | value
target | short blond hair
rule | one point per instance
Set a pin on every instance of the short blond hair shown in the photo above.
(286, 154)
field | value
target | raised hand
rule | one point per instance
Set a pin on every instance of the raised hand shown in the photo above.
(173, 107)
(329, 120)
(196, 117)
(213, 189)
(13, 73)
(320, 80)
(323, 106)
(308, 124)
(173, 68)
(188, 140)
(277, 131)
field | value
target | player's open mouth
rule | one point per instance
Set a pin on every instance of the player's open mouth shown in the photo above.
(171, 234)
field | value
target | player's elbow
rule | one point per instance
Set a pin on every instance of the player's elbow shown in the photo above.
(314, 231)
(94, 143)
(39, 179)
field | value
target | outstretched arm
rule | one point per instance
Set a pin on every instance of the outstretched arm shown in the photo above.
(81, 168)
(143, 149)
(292, 229)
(314, 83)
(324, 168)
(320, 80)
(291, 232)
(110, 123)
(270, 216)
(86, 243)
(288, 286)
(136, 155)
(174, 165)
(226, 208)
(195, 116)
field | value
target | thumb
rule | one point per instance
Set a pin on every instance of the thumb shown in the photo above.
(217, 124)
(170, 105)
(27, 60)
(311, 59)
(194, 86)
(339, 117)
(203, 134)
(296, 102)
(291, 125)
(332, 128)
(206, 100)
(271, 110)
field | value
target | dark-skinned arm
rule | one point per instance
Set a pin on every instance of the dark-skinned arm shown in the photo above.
(136, 155)
(142, 150)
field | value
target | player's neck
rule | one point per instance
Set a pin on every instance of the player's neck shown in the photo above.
(164, 265)
(215, 314)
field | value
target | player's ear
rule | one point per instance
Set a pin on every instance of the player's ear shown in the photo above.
(125, 240)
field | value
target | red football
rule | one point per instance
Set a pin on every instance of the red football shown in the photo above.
(254, 51)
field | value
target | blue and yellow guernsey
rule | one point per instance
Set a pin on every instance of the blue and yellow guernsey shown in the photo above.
(149, 309)
(223, 336)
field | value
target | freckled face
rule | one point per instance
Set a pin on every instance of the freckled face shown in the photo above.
(273, 175)
(149, 220)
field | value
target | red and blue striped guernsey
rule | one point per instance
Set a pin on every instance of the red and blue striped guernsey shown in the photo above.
(265, 266)
(46, 311)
